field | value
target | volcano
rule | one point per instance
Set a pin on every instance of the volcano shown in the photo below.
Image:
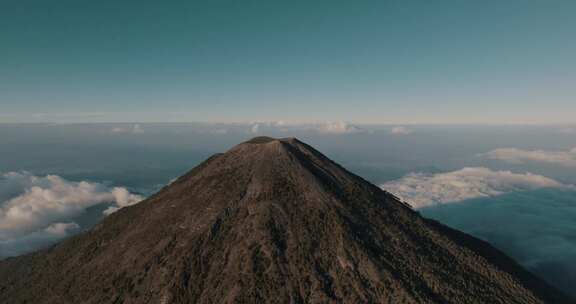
(270, 221)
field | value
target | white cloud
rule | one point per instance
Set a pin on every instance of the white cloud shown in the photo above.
(134, 129)
(61, 229)
(35, 206)
(421, 190)
(400, 131)
(255, 128)
(519, 156)
(339, 127)
(123, 198)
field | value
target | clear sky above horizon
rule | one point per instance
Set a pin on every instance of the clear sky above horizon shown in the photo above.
(362, 61)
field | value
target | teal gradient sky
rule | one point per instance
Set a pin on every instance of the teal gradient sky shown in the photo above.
(401, 61)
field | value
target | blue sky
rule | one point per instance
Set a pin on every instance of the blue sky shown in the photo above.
(361, 61)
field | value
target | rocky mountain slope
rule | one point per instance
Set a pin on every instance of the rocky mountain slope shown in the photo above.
(270, 221)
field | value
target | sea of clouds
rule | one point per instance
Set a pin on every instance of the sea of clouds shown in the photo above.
(36, 210)
(423, 190)
(520, 156)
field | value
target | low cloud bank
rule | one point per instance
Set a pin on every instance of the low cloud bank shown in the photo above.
(35, 210)
(519, 156)
(422, 190)
(400, 131)
(337, 127)
(134, 129)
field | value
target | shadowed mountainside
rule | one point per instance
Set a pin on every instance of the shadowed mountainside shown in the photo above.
(270, 221)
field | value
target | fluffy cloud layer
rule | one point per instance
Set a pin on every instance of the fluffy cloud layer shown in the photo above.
(519, 156)
(36, 209)
(400, 131)
(134, 129)
(339, 127)
(422, 190)
(122, 198)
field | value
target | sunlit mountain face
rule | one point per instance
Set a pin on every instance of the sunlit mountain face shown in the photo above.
(512, 186)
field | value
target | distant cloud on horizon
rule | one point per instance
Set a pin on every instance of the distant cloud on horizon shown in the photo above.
(400, 131)
(339, 127)
(254, 129)
(134, 129)
(423, 190)
(327, 128)
(520, 156)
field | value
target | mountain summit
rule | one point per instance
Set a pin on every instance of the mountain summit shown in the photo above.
(270, 221)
